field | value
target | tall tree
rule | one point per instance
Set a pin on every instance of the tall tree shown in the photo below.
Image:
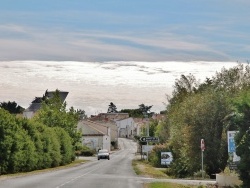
(112, 108)
(54, 114)
(145, 109)
(183, 87)
(242, 139)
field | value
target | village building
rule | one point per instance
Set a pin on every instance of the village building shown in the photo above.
(98, 135)
(36, 104)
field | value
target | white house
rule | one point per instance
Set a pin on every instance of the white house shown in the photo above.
(94, 135)
(126, 127)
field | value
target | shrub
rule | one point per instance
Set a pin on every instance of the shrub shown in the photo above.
(66, 147)
(155, 154)
(86, 151)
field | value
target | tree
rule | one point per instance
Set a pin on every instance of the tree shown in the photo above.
(145, 110)
(242, 139)
(112, 108)
(81, 113)
(17, 150)
(162, 131)
(54, 114)
(183, 87)
(135, 113)
(12, 107)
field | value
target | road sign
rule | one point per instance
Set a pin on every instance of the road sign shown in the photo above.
(202, 144)
(149, 139)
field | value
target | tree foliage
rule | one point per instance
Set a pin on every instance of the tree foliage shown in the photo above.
(12, 107)
(112, 108)
(242, 139)
(202, 111)
(47, 140)
(135, 113)
(27, 145)
(54, 114)
(138, 113)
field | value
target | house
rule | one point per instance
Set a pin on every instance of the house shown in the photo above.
(37, 102)
(126, 127)
(98, 135)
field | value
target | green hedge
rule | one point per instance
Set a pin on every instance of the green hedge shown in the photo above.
(26, 145)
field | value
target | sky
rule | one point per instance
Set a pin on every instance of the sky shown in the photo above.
(93, 85)
(131, 30)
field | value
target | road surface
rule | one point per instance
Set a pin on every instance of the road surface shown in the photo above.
(114, 173)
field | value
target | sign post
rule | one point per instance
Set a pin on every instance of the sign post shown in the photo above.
(149, 139)
(202, 150)
(233, 158)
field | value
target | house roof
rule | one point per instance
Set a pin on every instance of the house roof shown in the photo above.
(37, 102)
(91, 128)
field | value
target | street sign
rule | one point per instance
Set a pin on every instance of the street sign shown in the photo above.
(202, 144)
(149, 139)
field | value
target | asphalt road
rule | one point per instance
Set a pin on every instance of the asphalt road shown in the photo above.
(114, 173)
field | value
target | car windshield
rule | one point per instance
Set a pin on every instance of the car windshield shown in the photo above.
(103, 151)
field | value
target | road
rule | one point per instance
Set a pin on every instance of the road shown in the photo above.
(116, 172)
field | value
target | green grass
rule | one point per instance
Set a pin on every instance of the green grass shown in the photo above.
(167, 185)
(74, 163)
(141, 167)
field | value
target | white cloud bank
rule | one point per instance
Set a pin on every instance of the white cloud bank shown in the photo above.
(93, 85)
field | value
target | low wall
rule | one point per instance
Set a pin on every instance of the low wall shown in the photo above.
(227, 180)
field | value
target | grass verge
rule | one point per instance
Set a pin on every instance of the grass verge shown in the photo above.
(141, 167)
(167, 185)
(77, 162)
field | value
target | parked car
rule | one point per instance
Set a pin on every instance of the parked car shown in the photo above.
(103, 154)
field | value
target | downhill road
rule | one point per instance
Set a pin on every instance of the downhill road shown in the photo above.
(114, 173)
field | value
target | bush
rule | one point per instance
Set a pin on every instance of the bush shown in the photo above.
(198, 175)
(86, 151)
(66, 147)
(155, 154)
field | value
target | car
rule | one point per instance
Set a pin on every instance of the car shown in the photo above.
(103, 154)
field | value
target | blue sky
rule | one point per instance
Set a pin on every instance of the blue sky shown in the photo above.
(131, 30)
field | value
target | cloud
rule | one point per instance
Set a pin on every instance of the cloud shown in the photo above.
(91, 45)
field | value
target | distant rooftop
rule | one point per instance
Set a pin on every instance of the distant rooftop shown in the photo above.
(36, 103)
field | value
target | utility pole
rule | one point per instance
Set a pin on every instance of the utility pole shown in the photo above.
(146, 116)
(202, 160)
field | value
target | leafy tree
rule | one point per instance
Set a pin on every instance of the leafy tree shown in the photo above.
(162, 131)
(183, 87)
(242, 139)
(145, 110)
(54, 114)
(12, 107)
(17, 151)
(193, 114)
(81, 113)
(112, 108)
(233, 79)
(135, 113)
(66, 148)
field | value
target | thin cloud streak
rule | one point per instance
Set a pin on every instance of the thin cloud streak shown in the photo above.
(101, 46)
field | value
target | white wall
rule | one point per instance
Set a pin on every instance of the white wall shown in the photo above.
(128, 125)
